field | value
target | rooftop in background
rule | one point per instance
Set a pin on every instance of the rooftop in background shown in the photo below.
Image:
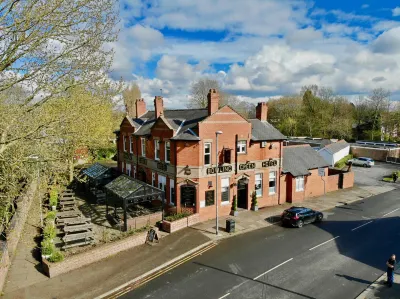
(298, 160)
(336, 146)
(376, 144)
(315, 143)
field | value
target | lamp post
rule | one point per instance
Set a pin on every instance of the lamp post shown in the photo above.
(216, 181)
(36, 157)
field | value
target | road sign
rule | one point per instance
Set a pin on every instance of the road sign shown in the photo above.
(321, 171)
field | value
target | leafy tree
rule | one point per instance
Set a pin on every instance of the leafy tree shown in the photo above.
(130, 95)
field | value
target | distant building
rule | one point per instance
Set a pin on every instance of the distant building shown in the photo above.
(334, 152)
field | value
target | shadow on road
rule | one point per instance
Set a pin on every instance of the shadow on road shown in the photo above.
(351, 278)
(257, 281)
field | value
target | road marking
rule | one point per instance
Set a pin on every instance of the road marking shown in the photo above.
(361, 226)
(365, 217)
(226, 295)
(391, 212)
(272, 269)
(324, 243)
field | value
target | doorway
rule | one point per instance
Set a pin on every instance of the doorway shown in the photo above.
(242, 195)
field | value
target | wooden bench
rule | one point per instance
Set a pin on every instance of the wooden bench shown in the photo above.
(67, 196)
(68, 214)
(78, 228)
(67, 200)
(81, 243)
(73, 221)
(77, 237)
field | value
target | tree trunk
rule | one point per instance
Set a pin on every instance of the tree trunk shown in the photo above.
(71, 170)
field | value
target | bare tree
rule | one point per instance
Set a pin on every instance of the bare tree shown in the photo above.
(130, 95)
(199, 91)
(378, 102)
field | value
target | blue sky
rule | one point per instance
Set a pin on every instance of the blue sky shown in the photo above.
(258, 48)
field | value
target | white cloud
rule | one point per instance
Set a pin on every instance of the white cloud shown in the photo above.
(396, 11)
(388, 42)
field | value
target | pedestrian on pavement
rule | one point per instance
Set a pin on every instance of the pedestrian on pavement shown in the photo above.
(390, 270)
(394, 177)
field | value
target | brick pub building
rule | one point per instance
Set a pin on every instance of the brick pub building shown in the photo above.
(175, 151)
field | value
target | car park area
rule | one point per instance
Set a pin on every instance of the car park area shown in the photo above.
(373, 176)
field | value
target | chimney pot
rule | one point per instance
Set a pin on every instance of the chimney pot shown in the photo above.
(140, 107)
(158, 106)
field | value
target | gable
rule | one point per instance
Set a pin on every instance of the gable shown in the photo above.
(126, 124)
(161, 124)
(226, 115)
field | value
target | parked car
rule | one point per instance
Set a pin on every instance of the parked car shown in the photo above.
(362, 161)
(298, 216)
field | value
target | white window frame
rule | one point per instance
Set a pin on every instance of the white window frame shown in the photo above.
(157, 149)
(143, 145)
(153, 179)
(128, 169)
(300, 183)
(171, 187)
(225, 186)
(258, 181)
(130, 144)
(124, 143)
(207, 154)
(241, 147)
(167, 152)
(272, 177)
(162, 182)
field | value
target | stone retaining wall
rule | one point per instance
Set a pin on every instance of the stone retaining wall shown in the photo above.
(142, 221)
(174, 226)
(4, 263)
(94, 255)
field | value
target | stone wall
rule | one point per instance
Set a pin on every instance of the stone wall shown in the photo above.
(174, 226)
(94, 255)
(142, 221)
(4, 263)
(378, 154)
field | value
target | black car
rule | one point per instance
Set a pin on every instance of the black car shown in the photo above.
(298, 216)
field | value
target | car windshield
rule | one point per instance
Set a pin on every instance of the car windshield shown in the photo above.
(289, 214)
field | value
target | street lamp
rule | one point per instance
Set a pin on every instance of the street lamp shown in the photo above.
(36, 157)
(216, 181)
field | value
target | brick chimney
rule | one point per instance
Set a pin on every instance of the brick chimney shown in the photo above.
(262, 111)
(140, 107)
(213, 101)
(158, 106)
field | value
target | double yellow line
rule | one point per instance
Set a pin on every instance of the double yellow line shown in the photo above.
(145, 280)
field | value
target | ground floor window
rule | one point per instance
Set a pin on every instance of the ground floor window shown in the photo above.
(225, 190)
(188, 196)
(128, 169)
(258, 185)
(299, 183)
(162, 183)
(210, 198)
(153, 179)
(172, 192)
(272, 182)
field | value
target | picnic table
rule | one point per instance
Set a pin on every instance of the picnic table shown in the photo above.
(67, 196)
(78, 228)
(67, 199)
(68, 214)
(74, 221)
(78, 239)
(68, 208)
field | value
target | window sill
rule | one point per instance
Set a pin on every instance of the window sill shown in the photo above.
(270, 194)
(225, 203)
(299, 190)
(240, 153)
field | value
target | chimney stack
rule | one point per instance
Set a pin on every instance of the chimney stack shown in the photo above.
(213, 101)
(262, 111)
(158, 106)
(140, 107)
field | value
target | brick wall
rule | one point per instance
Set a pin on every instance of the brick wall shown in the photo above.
(377, 154)
(142, 221)
(174, 226)
(348, 180)
(332, 183)
(92, 256)
(314, 184)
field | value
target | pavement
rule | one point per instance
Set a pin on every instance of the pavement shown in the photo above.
(337, 258)
(25, 279)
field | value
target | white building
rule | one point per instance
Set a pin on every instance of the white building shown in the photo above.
(334, 152)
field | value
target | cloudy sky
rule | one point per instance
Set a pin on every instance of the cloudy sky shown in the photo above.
(258, 48)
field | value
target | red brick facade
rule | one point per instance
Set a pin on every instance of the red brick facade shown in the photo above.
(189, 175)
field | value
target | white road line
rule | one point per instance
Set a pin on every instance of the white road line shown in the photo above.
(255, 278)
(391, 212)
(324, 243)
(226, 295)
(361, 226)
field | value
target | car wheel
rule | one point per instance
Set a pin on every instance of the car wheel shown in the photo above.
(365, 165)
(300, 224)
(319, 217)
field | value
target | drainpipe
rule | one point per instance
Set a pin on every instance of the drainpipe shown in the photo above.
(280, 172)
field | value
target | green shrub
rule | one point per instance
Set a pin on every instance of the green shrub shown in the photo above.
(53, 197)
(105, 153)
(48, 247)
(342, 162)
(49, 232)
(234, 203)
(57, 256)
(51, 215)
(177, 216)
(254, 201)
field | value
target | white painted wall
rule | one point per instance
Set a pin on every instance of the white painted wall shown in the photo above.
(341, 154)
(333, 158)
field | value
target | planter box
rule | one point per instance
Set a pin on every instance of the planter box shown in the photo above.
(173, 226)
(254, 208)
(234, 213)
(94, 255)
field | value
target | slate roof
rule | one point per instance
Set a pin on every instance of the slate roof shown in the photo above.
(264, 131)
(298, 160)
(183, 121)
(336, 147)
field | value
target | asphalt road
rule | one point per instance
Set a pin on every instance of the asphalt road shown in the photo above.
(337, 258)
(373, 176)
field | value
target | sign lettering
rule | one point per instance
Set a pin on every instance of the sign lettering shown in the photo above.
(221, 169)
(269, 163)
(247, 166)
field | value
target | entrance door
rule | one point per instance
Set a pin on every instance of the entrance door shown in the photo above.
(242, 194)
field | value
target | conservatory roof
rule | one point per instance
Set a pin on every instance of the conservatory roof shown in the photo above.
(96, 170)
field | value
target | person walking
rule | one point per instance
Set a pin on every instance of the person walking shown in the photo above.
(394, 177)
(391, 263)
